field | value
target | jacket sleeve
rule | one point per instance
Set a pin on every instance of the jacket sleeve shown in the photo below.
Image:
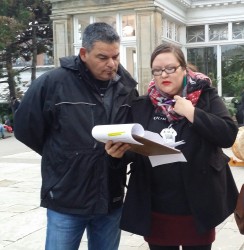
(31, 120)
(121, 162)
(214, 122)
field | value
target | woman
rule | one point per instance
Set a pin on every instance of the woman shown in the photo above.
(181, 203)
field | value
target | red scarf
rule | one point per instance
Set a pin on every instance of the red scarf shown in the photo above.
(193, 85)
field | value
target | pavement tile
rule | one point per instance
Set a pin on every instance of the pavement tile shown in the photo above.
(23, 222)
(4, 215)
(228, 239)
(21, 208)
(32, 241)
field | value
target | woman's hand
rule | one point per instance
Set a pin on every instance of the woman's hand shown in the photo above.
(117, 149)
(184, 108)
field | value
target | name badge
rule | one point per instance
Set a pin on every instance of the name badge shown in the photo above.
(169, 134)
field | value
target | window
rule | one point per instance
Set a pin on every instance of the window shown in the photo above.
(232, 62)
(177, 33)
(238, 30)
(107, 19)
(82, 23)
(205, 59)
(128, 25)
(170, 30)
(218, 32)
(195, 34)
(48, 59)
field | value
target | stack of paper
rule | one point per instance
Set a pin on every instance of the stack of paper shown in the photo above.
(142, 141)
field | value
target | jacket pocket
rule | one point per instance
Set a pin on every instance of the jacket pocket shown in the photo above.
(218, 160)
(82, 185)
(74, 127)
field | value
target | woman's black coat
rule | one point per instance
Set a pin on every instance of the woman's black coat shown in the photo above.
(208, 181)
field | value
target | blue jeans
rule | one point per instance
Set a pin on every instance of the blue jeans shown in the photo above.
(2, 130)
(65, 231)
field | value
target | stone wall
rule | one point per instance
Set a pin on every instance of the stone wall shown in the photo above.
(148, 28)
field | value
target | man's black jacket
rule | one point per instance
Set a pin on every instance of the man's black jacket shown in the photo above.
(55, 119)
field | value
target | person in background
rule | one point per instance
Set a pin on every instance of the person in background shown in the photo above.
(82, 188)
(180, 203)
(240, 111)
(2, 131)
(7, 121)
(14, 104)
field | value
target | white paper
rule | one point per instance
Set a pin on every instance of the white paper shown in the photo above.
(164, 159)
(118, 132)
(124, 133)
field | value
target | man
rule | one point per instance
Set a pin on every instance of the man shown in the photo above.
(81, 186)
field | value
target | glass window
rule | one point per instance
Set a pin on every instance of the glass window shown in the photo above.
(131, 61)
(205, 60)
(238, 30)
(177, 33)
(48, 59)
(195, 34)
(128, 25)
(218, 32)
(107, 19)
(170, 30)
(232, 63)
(82, 23)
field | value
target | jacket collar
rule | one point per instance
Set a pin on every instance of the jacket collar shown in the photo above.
(75, 63)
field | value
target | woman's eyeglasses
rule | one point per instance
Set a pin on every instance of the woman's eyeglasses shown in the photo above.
(168, 70)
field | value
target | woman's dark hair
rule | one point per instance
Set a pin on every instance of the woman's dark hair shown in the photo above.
(169, 48)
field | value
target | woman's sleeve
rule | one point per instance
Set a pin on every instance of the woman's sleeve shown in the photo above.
(215, 124)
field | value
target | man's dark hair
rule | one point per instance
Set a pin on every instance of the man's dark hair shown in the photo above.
(99, 32)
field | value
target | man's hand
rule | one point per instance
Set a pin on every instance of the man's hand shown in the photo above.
(117, 149)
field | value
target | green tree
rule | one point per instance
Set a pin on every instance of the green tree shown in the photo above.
(29, 34)
(38, 35)
(233, 71)
(8, 30)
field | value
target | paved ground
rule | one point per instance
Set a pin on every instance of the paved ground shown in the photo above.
(22, 221)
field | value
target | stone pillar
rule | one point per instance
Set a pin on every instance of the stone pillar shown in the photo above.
(149, 35)
(62, 37)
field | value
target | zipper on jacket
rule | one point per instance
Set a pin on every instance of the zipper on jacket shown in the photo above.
(51, 194)
(93, 124)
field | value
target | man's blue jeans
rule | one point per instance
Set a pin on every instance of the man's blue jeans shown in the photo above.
(64, 231)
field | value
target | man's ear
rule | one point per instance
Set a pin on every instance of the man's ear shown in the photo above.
(83, 54)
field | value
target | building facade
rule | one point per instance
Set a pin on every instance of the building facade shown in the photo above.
(210, 33)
